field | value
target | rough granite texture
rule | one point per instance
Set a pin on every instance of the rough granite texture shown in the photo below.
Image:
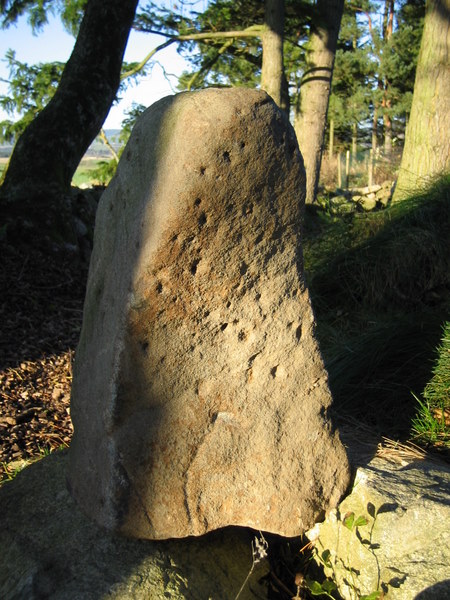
(404, 549)
(199, 396)
(50, 549)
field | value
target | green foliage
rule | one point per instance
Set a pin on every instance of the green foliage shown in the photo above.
(439, 387)
(328, 559)
(228, 62)
(394, 257)
(104, 172)
(325, 588)
(37, 11)
(106, 169)
(11, 10)
(361, 61)
(221, 62)
(129, 122)
(399, 58)
(30, 89)
(432, 422)
(351, 522)
(85, 173)
(351, 89)
(375, 70)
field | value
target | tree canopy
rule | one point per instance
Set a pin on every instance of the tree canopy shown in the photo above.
(374, 61)
(374, 73)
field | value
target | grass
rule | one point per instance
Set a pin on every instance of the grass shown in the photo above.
(431, 426)
(86, 172)
(380, 287)
(89, 172)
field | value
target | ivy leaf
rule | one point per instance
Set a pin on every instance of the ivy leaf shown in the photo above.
(314, 587)
(349, 520)
(329, 586)
(360, 522)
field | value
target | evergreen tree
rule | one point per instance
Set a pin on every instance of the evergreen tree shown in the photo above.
(352, 83)
(374, 72)
(399, 63)
(30, 89)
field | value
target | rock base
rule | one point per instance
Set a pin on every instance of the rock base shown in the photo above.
(49, 549)
(392, 533)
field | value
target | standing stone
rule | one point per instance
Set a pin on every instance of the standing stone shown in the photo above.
(199, 395)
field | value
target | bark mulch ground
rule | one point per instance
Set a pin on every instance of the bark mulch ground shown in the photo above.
(41, 302)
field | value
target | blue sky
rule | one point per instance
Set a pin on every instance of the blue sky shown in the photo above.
(55, 44)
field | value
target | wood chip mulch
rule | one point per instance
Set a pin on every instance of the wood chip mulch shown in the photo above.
(41, 302)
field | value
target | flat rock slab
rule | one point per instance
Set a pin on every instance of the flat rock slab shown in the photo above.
(404, 548)
(200, 399)
(49, 549)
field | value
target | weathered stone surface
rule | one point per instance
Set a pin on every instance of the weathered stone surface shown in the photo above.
(368, 202)
(405, 547)
(199, 395)
(49, 549)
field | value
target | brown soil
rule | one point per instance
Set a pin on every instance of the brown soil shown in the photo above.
(41, 301)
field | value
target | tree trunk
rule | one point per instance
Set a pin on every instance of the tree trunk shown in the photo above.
(374, 143)
(273, 79)
(311, 111)
(331, 143)
(387, 128)
(354, 141)
(388, 25)
(38, 179)
(426, 154)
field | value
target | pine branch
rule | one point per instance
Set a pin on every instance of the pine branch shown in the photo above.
(253, 31)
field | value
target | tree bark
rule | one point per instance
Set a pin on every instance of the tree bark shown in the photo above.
(311, 111)
(374, 143)
(388, 26)
(331, 143)
(273, 79)
(354, 141)
(38, 179)
(426, 154)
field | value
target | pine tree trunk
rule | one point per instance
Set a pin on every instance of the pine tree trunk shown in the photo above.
(426, 154)
(387, 132)
(331, 142)
(311, 111)
(273, 79)
(388, 26)
(354, 141)
(37, 183)
(374, 143)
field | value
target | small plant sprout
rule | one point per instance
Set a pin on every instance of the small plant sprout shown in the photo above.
(351, 522)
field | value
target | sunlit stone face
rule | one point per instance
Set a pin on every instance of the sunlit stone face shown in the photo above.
(200, 398)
